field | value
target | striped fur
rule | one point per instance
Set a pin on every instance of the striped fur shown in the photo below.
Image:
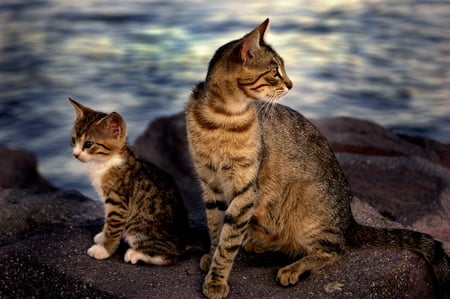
(268, 174)
(142, 203)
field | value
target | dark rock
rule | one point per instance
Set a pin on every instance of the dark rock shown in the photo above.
(409, 190)
(431, 146)
(54, 263)
(45, 235)
(164, 142)
(25, 212)
(406, 178)
(367, 138)
(407, 181)
(19, 170)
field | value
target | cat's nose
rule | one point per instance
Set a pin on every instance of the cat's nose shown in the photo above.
(288, 83)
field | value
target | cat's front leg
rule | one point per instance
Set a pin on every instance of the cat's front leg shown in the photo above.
(232, 235)
(215, 206)
(108, 239)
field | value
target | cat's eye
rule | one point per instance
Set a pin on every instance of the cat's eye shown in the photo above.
(72, 141)
(276, 73)
(88, 144)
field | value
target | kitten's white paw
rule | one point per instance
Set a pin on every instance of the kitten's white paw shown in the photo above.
(98, 252)
(133, 256)
(99, 238)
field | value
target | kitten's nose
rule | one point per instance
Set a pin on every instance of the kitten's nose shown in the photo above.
(76, 154)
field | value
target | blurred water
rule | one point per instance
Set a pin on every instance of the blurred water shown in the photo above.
(387, 61)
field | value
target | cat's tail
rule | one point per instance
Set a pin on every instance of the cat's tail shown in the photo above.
(425, 245)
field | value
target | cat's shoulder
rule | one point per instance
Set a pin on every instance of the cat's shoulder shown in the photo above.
(278, 111)
(198, 90)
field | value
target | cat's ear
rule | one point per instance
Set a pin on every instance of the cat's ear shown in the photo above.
(113, 125)
(262, 28)
(80, 110)
(251, 42)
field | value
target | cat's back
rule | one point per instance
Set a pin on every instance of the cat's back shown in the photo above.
(287, 130)
(294, 147)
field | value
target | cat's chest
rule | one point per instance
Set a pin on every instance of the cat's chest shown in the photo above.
(98, 171)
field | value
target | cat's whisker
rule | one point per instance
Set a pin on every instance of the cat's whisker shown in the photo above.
(266, 110)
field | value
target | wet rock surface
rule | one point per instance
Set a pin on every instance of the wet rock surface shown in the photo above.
(398, 181)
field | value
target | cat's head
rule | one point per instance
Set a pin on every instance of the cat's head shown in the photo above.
(96, 136)
(253, 65)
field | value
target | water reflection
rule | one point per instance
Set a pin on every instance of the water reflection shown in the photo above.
(387, 61)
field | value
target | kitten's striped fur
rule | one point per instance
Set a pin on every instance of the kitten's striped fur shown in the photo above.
(267, 174)
(142, 203)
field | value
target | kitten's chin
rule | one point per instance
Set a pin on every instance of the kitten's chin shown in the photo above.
(82, 160)
(85, 159)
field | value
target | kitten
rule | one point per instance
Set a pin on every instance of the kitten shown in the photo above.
(267, 174)
(142, 203)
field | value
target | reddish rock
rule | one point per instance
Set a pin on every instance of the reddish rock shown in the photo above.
(367, 138)
(406, 178)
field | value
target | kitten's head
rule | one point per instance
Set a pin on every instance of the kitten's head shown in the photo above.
(253, 65)
(96, 136)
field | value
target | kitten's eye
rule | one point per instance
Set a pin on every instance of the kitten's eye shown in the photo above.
(72, 141)
(88, 144)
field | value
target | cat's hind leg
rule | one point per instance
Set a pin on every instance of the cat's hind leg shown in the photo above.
(250, 246)
(290, 274)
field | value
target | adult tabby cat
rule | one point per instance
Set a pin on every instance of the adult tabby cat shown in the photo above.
(142, 203)
(267, 174)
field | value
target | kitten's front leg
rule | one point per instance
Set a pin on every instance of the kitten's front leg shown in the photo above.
(99, 237)
(109, 238)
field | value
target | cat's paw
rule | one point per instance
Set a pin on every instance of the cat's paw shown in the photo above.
(99, 238)
(98, 252)
(215, 289)
(205, 262)
(249, 246)
(289, 275)
(133, 256)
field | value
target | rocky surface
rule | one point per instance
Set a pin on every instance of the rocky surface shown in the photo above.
(19, 170)
(398, 180)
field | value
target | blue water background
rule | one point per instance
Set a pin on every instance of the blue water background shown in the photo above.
(386, 61)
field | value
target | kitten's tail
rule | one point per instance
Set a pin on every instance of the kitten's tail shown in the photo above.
(430, 249)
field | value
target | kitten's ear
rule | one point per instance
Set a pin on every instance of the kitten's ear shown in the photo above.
(113, 125)
(79, 109)
(251, 42)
